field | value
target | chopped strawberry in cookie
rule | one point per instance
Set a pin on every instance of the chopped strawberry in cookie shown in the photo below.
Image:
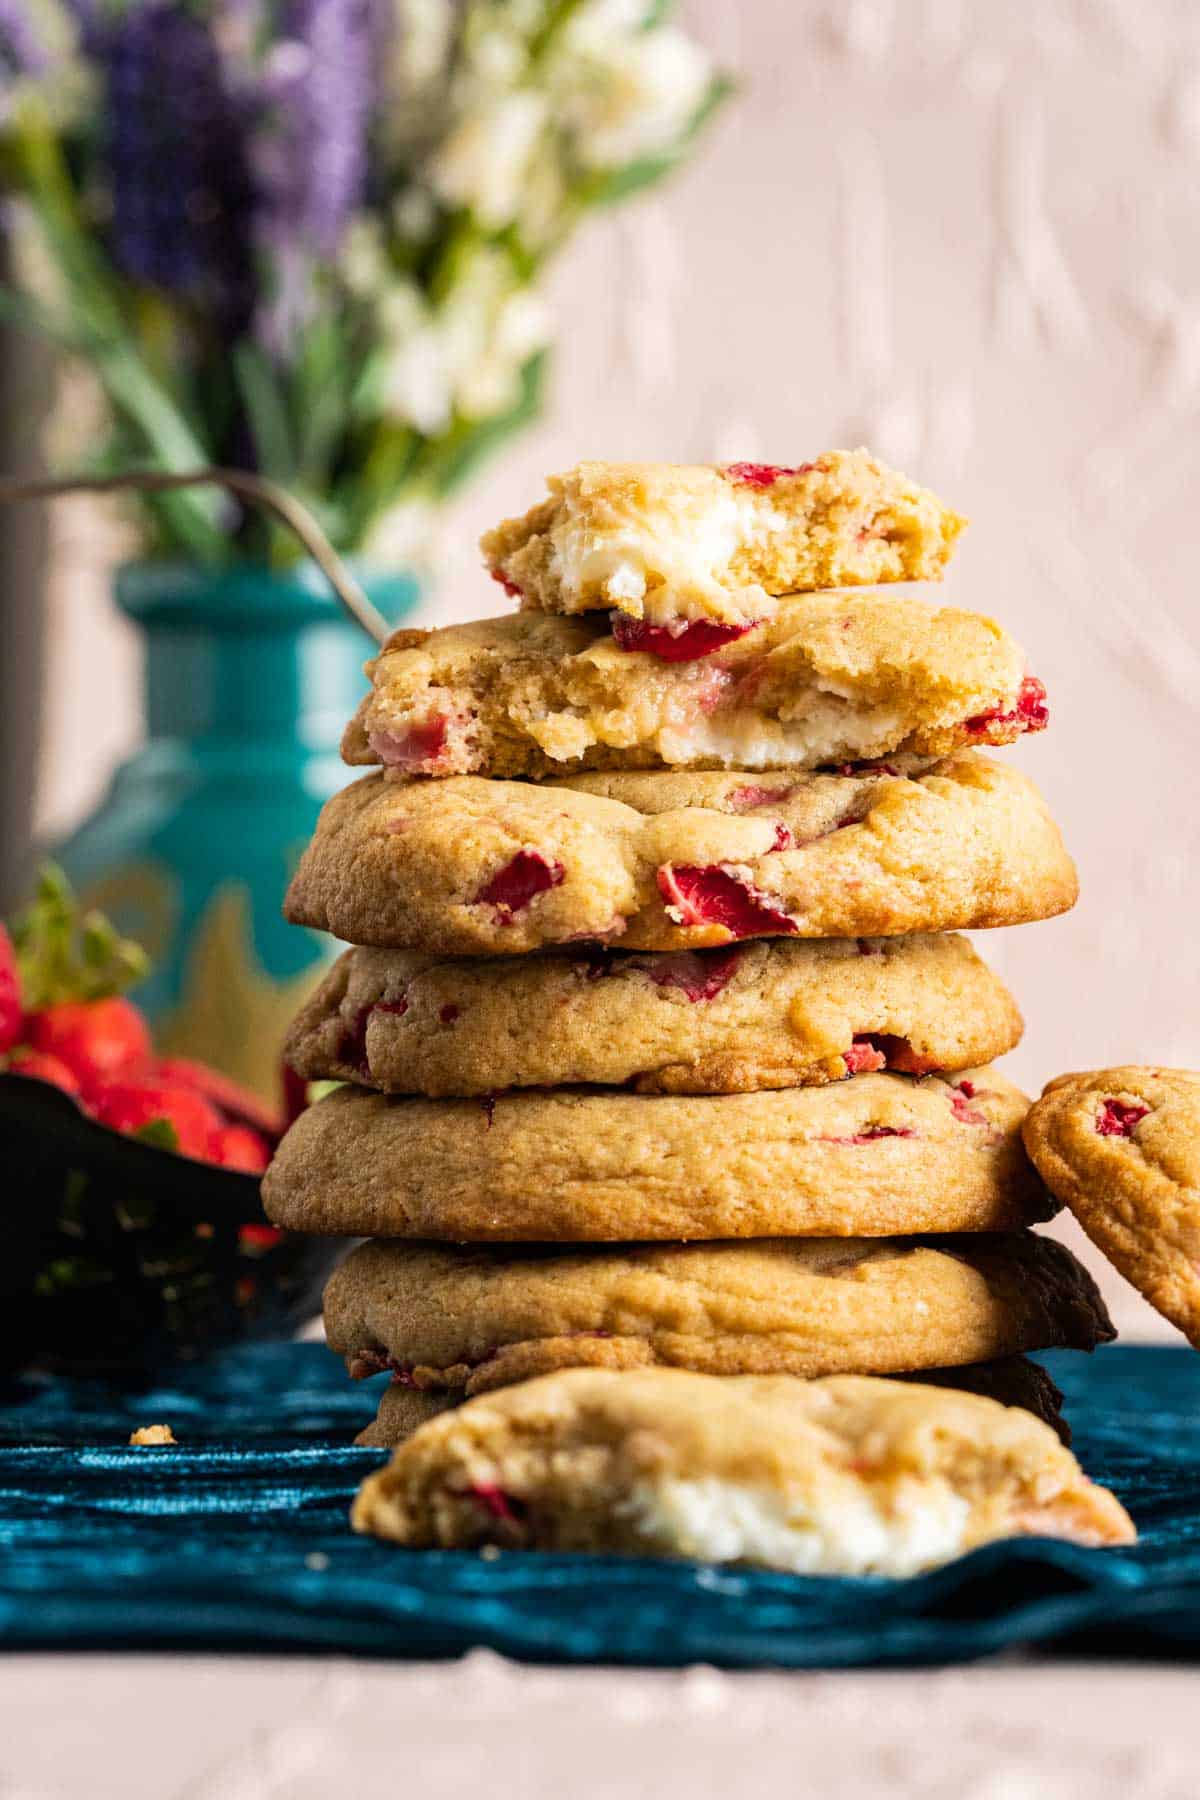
(1120, 1118)
(1031, 713)
(763, 475)
(700, 977)
(708, 894)
(519, 882)
(684, 642)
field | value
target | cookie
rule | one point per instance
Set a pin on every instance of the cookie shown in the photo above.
(850, 1475)
(443, 1317)
(873, 1157)
(1121, 1148)
(664, 543)
(830, 679)
(772, 1013)
(680, 861)
(1012, 1380)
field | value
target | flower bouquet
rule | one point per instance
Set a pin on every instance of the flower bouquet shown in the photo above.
(307, 237)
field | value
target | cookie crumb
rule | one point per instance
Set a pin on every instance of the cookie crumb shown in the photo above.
(490, 1552)
(152, 1434)
(317, 1561)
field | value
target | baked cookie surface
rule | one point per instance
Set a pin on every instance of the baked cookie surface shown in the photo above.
(679, 861)
(665, 543)
(1011, 1380)
(829, 679)
(774, 1012)
(849, 1475)
(469, 1319)
(874, 1157)
(1121, 1148)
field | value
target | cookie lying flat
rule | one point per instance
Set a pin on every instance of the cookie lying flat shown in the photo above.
(468, 1320)
(849, 1475)
(830, 679)
(872, 1157)
(664, 543)
(679, 861)
(1012, 1381)
(1121, 1148)
(775, 1013)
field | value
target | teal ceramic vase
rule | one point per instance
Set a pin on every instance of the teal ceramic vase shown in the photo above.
(250, 677)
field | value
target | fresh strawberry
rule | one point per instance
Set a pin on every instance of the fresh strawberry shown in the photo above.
(100, 1040)
(237, 1103)
(139, 1108)
(41, 1067)
(258, 1237)
(238, 1147)
(11, 1011)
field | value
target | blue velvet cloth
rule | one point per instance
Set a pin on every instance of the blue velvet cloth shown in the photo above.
(238, 1540)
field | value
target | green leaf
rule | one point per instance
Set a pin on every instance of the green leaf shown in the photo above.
(605, 187)
(266, 410)
(159, 1132)
(63, 956)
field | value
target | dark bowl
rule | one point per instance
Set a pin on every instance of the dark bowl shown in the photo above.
(117, 1257)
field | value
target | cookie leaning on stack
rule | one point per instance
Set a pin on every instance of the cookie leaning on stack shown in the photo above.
(659, 1060)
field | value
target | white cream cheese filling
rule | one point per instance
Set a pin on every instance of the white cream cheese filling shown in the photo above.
(908, 1527)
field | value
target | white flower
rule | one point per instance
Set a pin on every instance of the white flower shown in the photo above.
(492, 382)
(625, 94)
(482, 164)
(401, 537)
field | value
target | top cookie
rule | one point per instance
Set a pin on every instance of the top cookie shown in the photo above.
(1121, 1148)
(829, 679)
(850, 1475)
(665, 543)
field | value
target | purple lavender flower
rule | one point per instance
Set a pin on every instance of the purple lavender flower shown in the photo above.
(182, 199)
(22, 52)
(312, 153)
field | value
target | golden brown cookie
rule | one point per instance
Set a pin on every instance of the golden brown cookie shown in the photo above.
(680, 861)
(1012, 1380)
(849, 1475)
(771, 1013)
(1121, 1148)
(830, 679)
(663, 543)
(469, 1319)
(873, 1157)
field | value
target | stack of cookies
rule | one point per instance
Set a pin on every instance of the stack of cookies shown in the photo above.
(659, 1051)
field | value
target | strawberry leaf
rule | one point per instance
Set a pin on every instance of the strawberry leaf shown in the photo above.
(65, 955)
(159, 1132)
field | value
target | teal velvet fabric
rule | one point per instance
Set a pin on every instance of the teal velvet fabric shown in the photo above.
(238, 1540)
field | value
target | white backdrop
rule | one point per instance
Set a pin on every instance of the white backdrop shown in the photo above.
(966, 235)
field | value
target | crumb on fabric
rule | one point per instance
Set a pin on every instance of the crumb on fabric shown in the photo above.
(152, 1434)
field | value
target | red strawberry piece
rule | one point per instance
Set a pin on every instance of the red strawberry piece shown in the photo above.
(670, 643)
(448, 1013)
(747, 798)
(40, 1066)
(894, 1053)
(98, 1039)
(418, 751)
(763, 475)
(960, 1106)
(12, 1018)
(236, 1102)
(510, 587)
(295, 1095)
(495, 1501)
(519, 882)
(1120, 1118)
(134, 1106)
(707, 894)
(1031, 713)
(257, 1237)
(862, 1058)
(871, 1132)
(238, 1147)
(699, 977)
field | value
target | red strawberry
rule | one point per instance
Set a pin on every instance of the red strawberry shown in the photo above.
(11, 1013)
(99, 1040)
(237, 1147)
(258, 1237)
(41, 1067)
(141, 1107)
(236, 1102)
